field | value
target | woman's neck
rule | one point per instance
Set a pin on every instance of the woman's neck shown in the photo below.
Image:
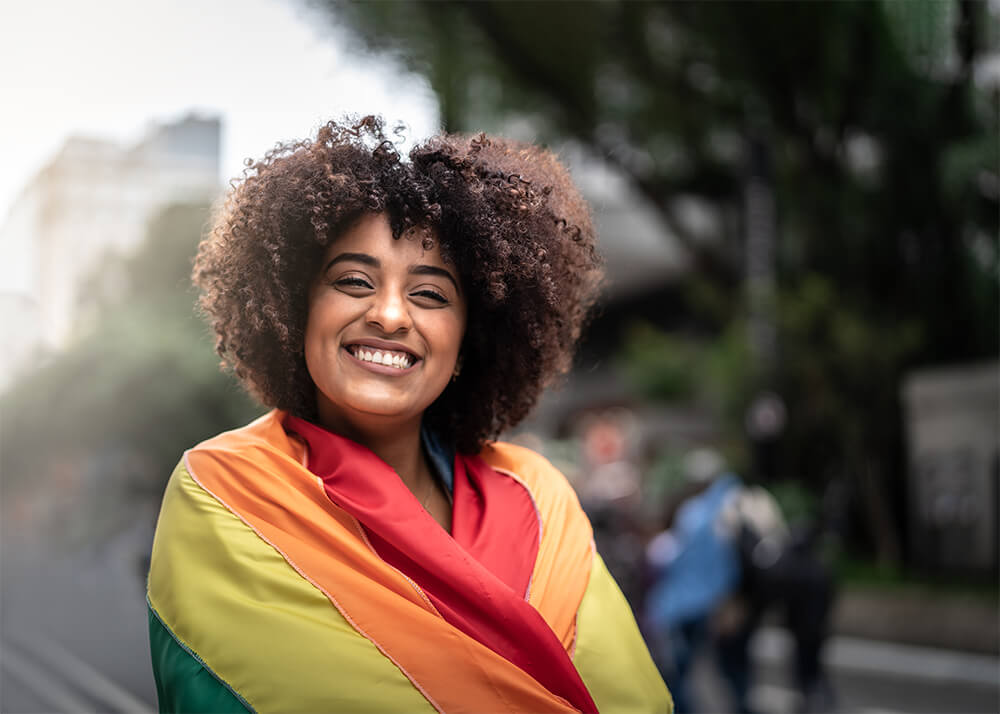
(397, 445)
(404, 454)
(400, 447)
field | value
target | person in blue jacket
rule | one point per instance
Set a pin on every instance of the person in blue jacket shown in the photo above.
(694, 567)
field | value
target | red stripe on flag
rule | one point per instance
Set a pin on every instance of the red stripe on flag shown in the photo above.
(478, 576)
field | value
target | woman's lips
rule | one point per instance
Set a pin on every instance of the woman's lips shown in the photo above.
(365, 357)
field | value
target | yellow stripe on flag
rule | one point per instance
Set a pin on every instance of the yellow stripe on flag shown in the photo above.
(610, 653)
(268, 632)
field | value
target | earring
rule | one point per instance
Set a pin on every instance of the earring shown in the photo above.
(458, 369)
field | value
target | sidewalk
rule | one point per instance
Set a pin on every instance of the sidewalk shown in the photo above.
(773, 645)
(954, 622)
(872, 677)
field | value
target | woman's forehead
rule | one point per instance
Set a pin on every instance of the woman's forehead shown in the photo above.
(372, 235)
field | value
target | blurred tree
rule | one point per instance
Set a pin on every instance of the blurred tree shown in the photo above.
(107, 419)
(879, 137)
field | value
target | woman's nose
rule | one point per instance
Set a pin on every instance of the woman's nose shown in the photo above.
(390, 312)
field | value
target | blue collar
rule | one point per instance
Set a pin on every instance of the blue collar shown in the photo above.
(442, 459)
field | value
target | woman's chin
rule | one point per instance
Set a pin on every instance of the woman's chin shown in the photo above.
(369, 414)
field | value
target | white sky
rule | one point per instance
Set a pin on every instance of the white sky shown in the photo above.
(271, 69)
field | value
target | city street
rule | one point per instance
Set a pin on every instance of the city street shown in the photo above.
(74, 640)
(868, 677)
(73, 628)
(727, 274)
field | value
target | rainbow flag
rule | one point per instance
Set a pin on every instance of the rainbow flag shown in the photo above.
(271, 589)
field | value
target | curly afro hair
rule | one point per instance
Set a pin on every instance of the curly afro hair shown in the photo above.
(505, 214)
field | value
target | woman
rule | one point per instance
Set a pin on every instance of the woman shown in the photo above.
(365, 546)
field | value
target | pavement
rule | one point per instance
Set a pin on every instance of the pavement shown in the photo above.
(869, 677)
(891, 652)
(919, 617)
(40, 675)
(866, 676)
(73, 639)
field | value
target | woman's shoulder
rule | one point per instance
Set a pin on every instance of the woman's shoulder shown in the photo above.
(266, 432)
(512, 457)
(535, 471)
(249, 458)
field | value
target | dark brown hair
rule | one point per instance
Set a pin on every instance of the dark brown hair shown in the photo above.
(506, 215)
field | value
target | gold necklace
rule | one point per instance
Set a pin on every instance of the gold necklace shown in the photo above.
(430, 492)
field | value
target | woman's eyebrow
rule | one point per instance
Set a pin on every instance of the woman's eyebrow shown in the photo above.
(434, 270)
(372, 261)
(356, 257)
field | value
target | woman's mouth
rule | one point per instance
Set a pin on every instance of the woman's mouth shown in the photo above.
(393, 359)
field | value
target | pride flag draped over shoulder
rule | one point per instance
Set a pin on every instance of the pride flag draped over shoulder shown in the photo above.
(292, 571)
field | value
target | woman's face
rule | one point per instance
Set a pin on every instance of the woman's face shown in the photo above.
(386, 320)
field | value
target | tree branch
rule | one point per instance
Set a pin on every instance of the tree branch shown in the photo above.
(576, 117)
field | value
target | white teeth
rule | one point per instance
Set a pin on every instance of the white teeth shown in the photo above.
(399, 360)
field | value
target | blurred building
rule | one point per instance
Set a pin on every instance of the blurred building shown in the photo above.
(91, 201)
(953, 434)
(640, 254)
(644, 263)
(19, 337)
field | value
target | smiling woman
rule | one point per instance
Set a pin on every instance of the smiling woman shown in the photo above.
(382, 339)
(397, 316)
(379, 305)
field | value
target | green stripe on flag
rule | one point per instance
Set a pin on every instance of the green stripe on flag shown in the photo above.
(183, 682)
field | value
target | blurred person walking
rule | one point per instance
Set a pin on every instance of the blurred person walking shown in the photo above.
(726, 558)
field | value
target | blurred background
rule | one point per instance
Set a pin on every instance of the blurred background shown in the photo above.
(798, 204)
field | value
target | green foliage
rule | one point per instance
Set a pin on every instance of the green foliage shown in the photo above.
(880, 143)
(862, 574)
(658, 365)
(882, 154)
(836, 364)
(118, 407)
(922, 30)
(798, 504)
(715, 372)
(883, 151)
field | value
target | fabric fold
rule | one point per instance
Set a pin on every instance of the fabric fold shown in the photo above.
(261, 582)
(476, 578)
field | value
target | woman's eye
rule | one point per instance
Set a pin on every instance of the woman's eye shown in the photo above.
(353, 282)
(432, 295)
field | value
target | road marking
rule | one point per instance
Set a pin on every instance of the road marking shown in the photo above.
(49, 690)
(80, 673)
(773, 644)
(848, 653)
(774, 698)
